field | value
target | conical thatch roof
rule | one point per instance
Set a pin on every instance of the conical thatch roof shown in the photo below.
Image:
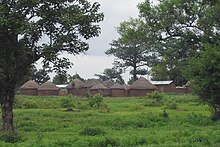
(76, 83)
(142, 83)
(117, 86)
(188, 84)
(30, 85)
(48, 86)
(108, 83)
(91, 82)
(125, 86)
(98, 87)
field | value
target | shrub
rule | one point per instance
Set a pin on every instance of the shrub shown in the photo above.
(164, 113)
(171, 105)
(156, 96)
(92, 131)
(30, 104)
(198, 119)
(96, 101)
(67, 102)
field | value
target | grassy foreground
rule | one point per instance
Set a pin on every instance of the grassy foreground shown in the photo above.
(176, 121)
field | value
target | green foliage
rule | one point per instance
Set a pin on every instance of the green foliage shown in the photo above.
(11, 138)
(92, 131)
(30, 104)
(60, 78)
(96, 101)
(130, 49)
(204, 73)
(67, 102)
(157, 96)
(198, 119)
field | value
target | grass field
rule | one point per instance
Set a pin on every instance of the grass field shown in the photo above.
(177, 120)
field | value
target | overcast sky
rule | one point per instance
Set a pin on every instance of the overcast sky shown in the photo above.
(95, 60)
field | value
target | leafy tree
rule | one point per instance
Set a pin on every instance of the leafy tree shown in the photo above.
(159, 72)
(180, 28)
(40, 76)
(184, 29)
(60, 78)
(111, 74)
(132, 48)
(76, 76)
(204, 73)
(24, 25)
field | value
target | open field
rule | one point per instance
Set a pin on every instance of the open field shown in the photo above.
(44, 121)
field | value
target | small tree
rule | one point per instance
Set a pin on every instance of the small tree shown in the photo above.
(204, 74)
(60, 78)
(40, 76)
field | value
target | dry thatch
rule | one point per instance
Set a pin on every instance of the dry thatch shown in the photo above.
(108, 83)
(30, 85)
(48, 86)
(117, 86)
(91, 82)
(125, 86)
(142, 83)
(76, 83)
(98, 87)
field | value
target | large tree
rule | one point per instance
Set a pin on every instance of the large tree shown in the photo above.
(24, 25)
(181, 28)
(132, 48)
(40, 76)
(184, 30)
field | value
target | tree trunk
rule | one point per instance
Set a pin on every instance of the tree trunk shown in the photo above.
(7, 114)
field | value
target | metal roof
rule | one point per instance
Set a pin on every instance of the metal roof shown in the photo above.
(161, 82)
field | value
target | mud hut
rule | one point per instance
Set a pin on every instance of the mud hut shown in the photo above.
(30, 88)
(126, 88)
(85, 90)
(141, 87)
(117, 90)
(74, 87)
(101, 89)
(48, 89)
(108, 83)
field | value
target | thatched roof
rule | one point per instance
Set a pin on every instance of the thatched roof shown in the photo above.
(98, 87)
(142, 83)
(48, 86)
(125, 86)
(117, 86)
(76, 83)
(108, 83)
(91, 82)
(30, 85)
(188, 84)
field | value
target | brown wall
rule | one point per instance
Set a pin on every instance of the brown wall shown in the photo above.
(166, 88)
(118, 93)
(139, 92)
(104, 92)
(48, 92)
(33, 92)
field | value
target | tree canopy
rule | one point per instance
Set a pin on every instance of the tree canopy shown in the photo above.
(25, 26)
(132, 48)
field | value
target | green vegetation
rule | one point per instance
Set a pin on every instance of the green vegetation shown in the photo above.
(45, 121)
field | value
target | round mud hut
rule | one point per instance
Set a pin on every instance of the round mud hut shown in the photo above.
(48, 89)
(101, 89)
(85, 90)
(30, 88)
(117, 90)
(141, 87)
(75, 87)
(108, 83)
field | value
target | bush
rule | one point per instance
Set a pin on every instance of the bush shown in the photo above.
(92, 131)
(157, 96)
(96, 101)
(67, 102)
(30, 104)
(198, 119)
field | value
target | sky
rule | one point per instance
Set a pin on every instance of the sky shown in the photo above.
(94, 61)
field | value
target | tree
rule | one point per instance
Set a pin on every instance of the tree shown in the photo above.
(204, 73)
(24, 25)
(76, 76)
(184, 30)
(132, 48)
(111, 74)
(60, 79)
(40, 76)
(180, 28)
